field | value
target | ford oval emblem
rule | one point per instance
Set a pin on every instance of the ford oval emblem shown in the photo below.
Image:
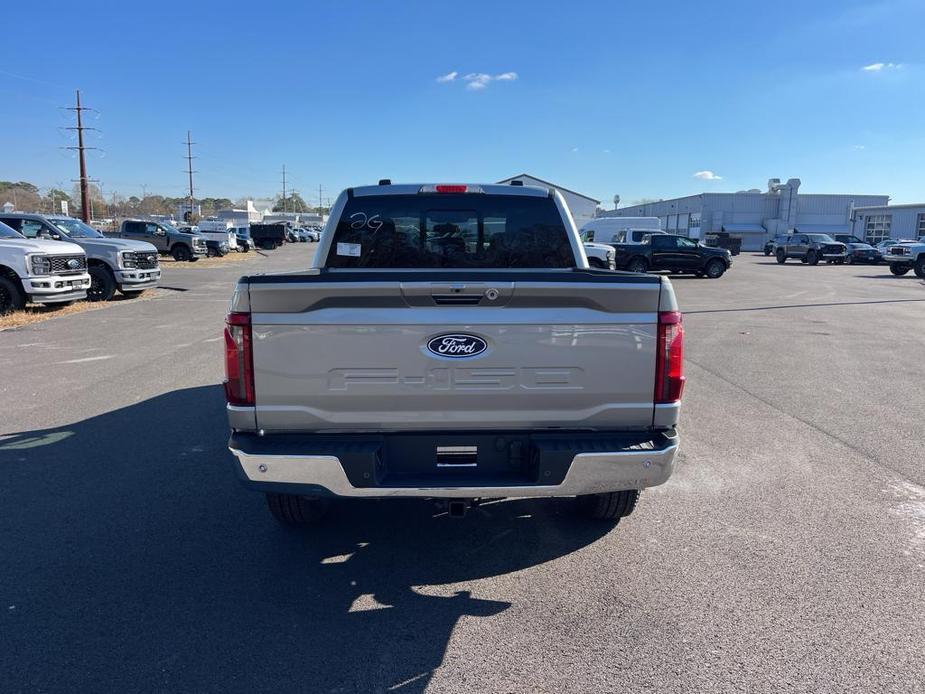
(73, 263)
(456, 345)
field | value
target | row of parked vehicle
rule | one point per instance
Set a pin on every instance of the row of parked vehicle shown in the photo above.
(50, 259)
(812, 249)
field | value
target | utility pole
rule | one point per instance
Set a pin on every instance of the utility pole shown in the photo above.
(189, 169)
(85, 211)
(284, 189)
(320, 202)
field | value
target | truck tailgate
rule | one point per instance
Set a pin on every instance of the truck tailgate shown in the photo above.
(337, 351)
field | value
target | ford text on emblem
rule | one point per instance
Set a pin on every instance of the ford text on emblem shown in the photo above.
(73, 263)
(457, 345)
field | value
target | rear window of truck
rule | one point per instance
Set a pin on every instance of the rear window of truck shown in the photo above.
(450, 231)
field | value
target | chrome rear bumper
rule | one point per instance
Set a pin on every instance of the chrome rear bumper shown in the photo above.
(588, 473)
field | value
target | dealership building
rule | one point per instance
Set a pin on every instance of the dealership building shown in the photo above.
(583, 207)
(755, 215)
(889, 222)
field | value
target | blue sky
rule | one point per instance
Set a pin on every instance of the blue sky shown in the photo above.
(601, 97)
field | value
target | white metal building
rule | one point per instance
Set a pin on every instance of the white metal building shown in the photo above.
(874, 224)
(755, 215)
(582, 206)
(240, 217)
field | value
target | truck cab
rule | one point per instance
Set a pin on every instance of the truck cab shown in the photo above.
(39, 270)
(113, 264)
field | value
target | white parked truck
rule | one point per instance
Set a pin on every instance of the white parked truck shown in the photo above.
(44, 272)
(450, 341)
(905, 256)
(218, 230)
(619, 229)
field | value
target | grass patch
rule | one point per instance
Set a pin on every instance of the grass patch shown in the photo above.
(36, 313)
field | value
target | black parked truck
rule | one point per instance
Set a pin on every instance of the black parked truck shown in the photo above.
(269, 235)
(678, 254)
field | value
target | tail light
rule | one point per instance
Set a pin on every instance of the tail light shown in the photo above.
(669, 359)
(239, 360)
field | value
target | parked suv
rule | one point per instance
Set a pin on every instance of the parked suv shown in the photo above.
(165, 238)
(811, 248)
(129, 266)
(45, 272)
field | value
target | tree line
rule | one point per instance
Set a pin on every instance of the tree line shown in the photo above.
(28, 197)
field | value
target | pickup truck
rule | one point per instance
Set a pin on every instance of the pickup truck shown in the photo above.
(129, 266)
(810, 249)
(166, 239)
(450, 341)
(269, 235)
(903, 257)
(678, 254)
(41, 271)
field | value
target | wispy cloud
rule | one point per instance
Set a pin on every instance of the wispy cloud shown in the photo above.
(859, 147)
(881, 67)
(605, 151)
(708, 176)
(574, 149)
(476, 81)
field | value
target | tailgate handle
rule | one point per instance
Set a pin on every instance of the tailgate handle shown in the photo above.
(457, 456)
(457, 299)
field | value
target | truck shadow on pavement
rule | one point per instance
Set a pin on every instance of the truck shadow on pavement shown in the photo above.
(134, 561)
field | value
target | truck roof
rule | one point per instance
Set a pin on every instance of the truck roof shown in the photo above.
(424, 188)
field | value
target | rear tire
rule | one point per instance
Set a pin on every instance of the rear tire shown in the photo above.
(102, 284)
(637, 265)
(180, 253)
(11, 296)
(297, 511)
(781, 256)
(610, 506)
(898, 269)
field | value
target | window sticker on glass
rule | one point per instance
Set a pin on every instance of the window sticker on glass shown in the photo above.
(352, 249)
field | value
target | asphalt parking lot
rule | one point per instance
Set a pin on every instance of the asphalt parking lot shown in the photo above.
(786, 554)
